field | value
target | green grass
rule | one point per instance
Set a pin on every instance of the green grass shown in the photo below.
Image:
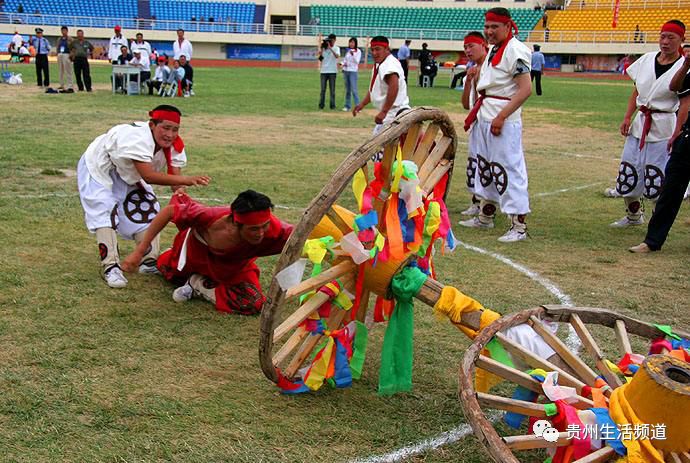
(92, 374)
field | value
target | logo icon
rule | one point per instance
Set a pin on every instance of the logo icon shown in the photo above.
(543, 429)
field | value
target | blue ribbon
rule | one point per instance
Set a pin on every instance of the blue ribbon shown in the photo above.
(603, 418)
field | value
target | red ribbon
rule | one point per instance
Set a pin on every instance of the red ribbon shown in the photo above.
(646, 127)
(474, 39)
(253, 217)
(163, 115)
(378, 44)
(491, 16)
(178, 144)
(674, 28)
(472, 116)
(373, 76)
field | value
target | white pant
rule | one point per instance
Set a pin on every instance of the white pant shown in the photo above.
(390, 117)
(501, 174)
(129, 209)
(641, 172)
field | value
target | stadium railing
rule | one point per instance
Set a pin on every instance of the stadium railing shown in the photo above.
(310, 30)
(626, 4)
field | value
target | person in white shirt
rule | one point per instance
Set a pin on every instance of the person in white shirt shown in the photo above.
(141, 60)
(140, 44)
(182, 46)
(503, 87)
(351, 60)
(328, 53)
(116, 42)
(114, 177)
(161, 75)
(17, 39)
(387, 89)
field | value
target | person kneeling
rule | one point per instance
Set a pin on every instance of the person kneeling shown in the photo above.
(214, 253)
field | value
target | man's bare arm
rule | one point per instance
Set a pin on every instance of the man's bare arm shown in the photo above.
(157, 225)
(154, 177)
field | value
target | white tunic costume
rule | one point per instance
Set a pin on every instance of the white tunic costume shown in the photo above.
(112, 192)
(501, 174)
(379, 90)
(641, 172)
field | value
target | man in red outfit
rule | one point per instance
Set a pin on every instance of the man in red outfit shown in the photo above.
(215, 250)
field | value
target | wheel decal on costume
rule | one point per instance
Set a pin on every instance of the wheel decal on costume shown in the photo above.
(653, 180)
(627, 178)
(500, 176)
(244, 298)
(140, 206)
(471, 171)
(102, 250)
(485, 177)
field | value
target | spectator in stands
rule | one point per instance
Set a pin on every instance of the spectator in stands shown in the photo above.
(79, 54)
(42, 47)
(388, 89)
(188, 75)
(404, 57)
(161, 75)
(193, 19)
(64, 64)
(353, 56)
(328, 53)
(115, 46)
(20, 8)
(636, 35)
(538, 62)
(182, 46)
(210, 19)
(544, 20)
(547, 32)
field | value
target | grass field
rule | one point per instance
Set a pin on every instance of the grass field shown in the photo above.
(93, 374)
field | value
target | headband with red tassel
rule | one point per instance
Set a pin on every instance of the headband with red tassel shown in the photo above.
(165, 115)
(491, 16)
(252, 218)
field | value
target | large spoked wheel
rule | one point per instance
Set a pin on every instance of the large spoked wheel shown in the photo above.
(425, 136)
(576, 370)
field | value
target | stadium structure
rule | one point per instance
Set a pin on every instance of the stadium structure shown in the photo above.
(589, 35)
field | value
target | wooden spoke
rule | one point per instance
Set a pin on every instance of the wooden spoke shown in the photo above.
(673, 458)
(336, 318)
(511, 405)
(313, 283)
(431, 291)
(411, 140)
(338, 221)
(434, 157)
(301, 314)
(684, 457)
(593, 349)
(290, 345)
(436, 175)
(622, 336)
(425, 145)
(531, 442)
(363, 305)
(537, 362)
(572, 360)
(600, 456)
(523, 379)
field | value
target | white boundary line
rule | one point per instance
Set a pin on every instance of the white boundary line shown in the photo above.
(565, 190)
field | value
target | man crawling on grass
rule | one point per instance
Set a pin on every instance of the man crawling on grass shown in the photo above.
(214, 253)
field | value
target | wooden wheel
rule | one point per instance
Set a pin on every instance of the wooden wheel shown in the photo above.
(579, 371)
(425, 136)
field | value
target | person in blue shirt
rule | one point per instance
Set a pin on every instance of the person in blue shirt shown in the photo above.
(537, 67)
(404, 57)
(42, 47)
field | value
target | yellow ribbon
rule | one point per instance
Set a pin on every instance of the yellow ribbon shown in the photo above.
(395, 186)
(319, 369)
(359, 184)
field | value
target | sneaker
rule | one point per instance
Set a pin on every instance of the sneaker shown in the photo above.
(183, 293)
(472, 210)
(641, 248)
(611, 193)
(474, 222)
(191, 92)
(186, 94)
(114, 277)
(345, 109)
(513, 235)
(627, 222)
(149, 267)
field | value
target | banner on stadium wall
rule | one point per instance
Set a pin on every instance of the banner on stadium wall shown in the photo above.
(163, 48)
(598, 63)
(304, 53)
(5, 40)
(552, 62)
(253, 52)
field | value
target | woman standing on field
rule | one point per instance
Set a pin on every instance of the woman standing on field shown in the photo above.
(350, 69)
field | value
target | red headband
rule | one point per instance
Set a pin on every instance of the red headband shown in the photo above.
(474, 39)
(499, 18)
(379, 44)
(163, 115)
(252, 218)
(675, 28)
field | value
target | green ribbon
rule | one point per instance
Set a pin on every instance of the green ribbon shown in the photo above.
(359, 349)
(668, 331)
(395, 374)
(498, 353)
(551, 409)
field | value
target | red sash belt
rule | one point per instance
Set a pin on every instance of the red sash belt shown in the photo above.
(647, 122)
(472, 116)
